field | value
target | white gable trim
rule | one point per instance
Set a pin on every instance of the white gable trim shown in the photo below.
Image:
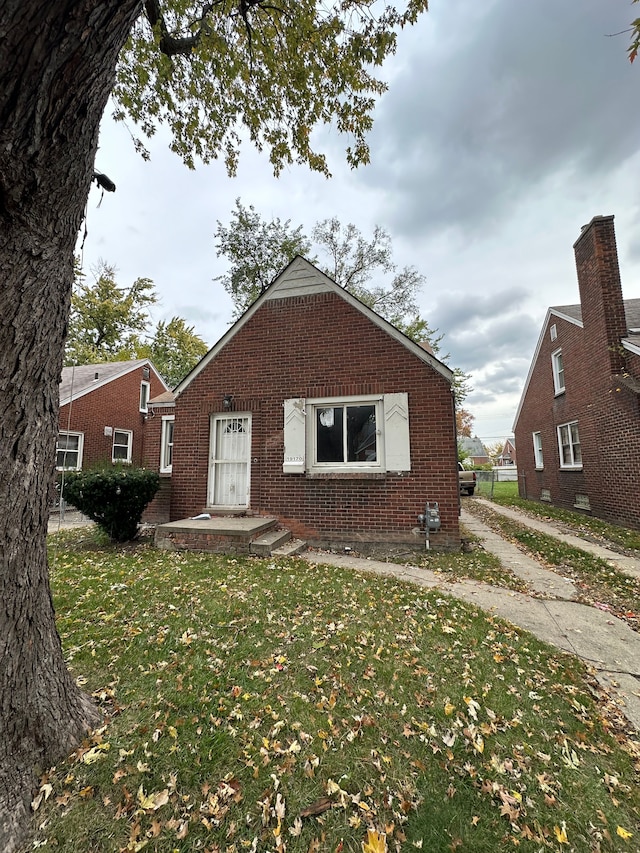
(100, 383)
(301, 278)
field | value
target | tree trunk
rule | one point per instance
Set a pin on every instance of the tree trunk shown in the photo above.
(57, 65)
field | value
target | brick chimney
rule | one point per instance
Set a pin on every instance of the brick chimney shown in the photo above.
(603, 314)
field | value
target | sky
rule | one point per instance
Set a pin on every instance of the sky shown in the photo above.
(505, 128)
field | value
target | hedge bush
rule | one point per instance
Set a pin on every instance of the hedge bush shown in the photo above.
(114, 497)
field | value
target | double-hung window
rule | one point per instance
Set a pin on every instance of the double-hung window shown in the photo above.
(537, 449)
(145, 390)
(122, 445)
(347, 435)
(558, 371)
(569, 445)
(166, 445)
(69, 451)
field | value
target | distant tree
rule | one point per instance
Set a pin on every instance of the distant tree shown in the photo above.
(494, 451)
(257, 251)
(464, 422)
(107, 321)
(174, 349)
(112, 323)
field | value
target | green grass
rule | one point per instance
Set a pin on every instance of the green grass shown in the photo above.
(621, 537)
(277, 706)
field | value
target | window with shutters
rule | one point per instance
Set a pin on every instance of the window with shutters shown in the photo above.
(347, 435)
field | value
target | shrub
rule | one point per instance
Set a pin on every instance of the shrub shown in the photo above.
(114, 497)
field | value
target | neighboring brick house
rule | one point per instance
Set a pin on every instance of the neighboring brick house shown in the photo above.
(474, 449)
(103, 412)
(507, 455)
(577, 426)
(315, 410)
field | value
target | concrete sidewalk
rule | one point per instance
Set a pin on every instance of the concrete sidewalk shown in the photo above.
(626, 564)
(604, 642)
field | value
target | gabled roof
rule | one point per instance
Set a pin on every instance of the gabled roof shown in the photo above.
(302, 278)
(573, 314)
(84, 378)
(472, 446)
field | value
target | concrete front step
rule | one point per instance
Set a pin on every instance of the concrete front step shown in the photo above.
(292, 547)
(261, 536)
(266, 543)
(222, 535)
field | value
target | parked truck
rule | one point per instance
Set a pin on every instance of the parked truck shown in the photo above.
(467, 480)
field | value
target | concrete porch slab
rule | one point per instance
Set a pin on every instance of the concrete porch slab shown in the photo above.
(220, 525)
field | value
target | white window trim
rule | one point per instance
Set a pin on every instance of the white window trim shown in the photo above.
(537, 450)
(556, 356)
(145, 393)
(392, 435)
(128, 432)
(573, 464)
(164, 444)
(80, 436)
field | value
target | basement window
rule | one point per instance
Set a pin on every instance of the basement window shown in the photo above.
(582, 502)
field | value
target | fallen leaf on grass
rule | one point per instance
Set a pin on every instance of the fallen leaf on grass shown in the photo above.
(376, 842)
(319, 807)
(623, 833)
(152, 802)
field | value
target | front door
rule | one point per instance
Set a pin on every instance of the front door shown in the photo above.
(229, 457)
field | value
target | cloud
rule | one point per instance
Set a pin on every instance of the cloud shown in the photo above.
(525, 91)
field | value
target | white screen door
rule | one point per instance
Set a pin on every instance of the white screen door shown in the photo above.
(229, 458)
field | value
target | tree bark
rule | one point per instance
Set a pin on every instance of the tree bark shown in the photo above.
(57, 67)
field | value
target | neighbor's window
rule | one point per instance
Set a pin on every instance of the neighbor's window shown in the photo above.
(346, 434)
(166, 445)
(537, 449)
(558, 371)
(69, 451)
(569, 446)
(122, 445)
(144, 396)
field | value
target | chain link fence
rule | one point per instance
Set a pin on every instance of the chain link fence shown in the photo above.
(486, 480)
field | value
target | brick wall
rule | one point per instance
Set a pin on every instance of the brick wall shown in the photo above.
(597, 394)
(115, 404)
(320, 346)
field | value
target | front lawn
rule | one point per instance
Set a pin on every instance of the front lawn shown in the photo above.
(277, 706)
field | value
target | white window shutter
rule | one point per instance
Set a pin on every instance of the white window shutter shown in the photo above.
(294, 436)
(396, 432)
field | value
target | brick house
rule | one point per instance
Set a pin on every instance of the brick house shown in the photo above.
(577, 427)
(507, 455)
(103, 414)
(476, 453)
(314, 410)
